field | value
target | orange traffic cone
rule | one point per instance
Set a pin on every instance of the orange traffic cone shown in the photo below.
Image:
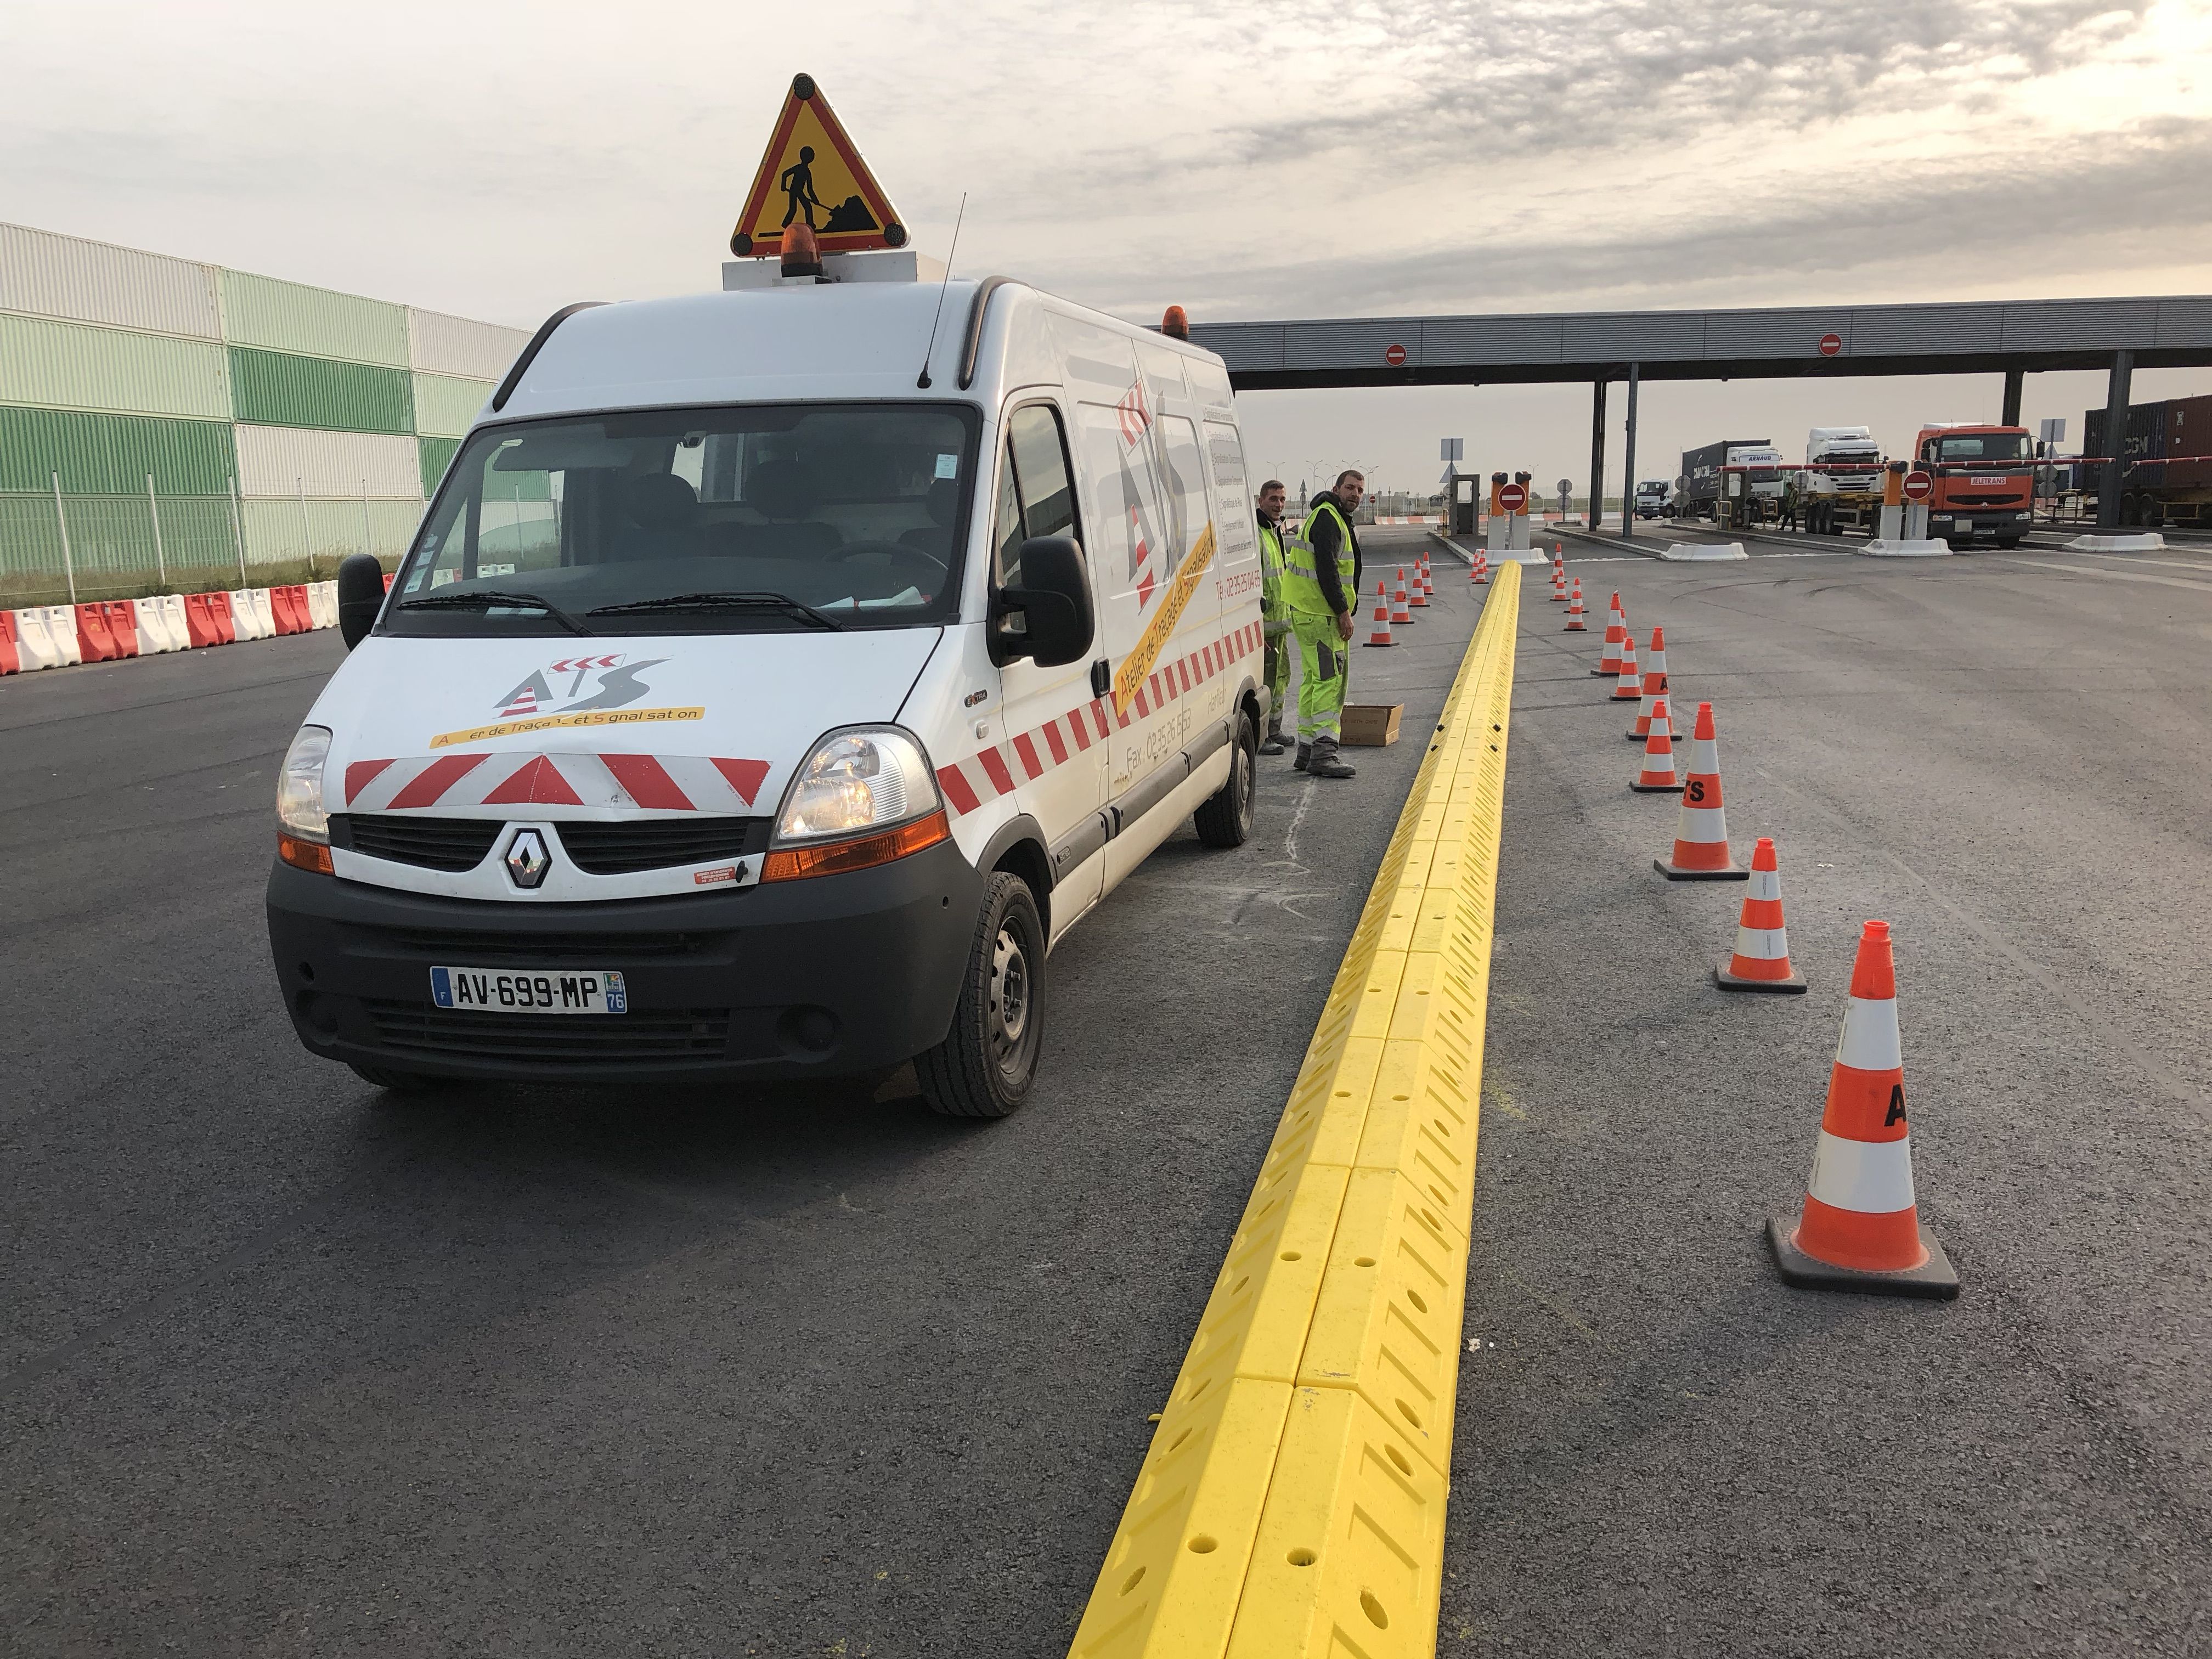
(1761, 961)
(1701, 844)
(1658, 776)
(1420, 591)
(1380, 634)
(1399, 613)
(1559, 578)
(1860, 1229)
(1480, 576)
(1428, 575)
(1575, 613)
(1628, 688)
(1654, 665)
(1616, 629)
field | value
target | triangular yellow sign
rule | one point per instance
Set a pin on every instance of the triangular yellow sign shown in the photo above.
(812, 172)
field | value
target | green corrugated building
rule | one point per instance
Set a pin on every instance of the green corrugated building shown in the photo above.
(158, 415)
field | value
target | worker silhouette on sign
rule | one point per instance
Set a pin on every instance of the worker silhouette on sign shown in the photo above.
(797, 183)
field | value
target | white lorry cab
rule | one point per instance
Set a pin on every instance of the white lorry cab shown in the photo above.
(768, 688)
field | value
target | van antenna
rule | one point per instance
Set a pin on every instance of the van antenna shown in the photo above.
(922, 382)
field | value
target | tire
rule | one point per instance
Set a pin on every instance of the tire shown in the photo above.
(405, 1083)
(1225, 819)
(2008, 542)
(982, 1068)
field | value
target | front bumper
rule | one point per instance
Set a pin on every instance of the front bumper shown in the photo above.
(842, 973)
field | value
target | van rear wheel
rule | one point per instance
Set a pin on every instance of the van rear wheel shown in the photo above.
(987, 1060)
(1225, 817)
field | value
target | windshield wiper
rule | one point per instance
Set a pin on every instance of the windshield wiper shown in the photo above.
(756, 601)
(482, 599)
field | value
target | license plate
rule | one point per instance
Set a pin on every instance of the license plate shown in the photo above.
(503, 991)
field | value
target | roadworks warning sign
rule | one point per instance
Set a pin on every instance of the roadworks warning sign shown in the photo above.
(812, 174)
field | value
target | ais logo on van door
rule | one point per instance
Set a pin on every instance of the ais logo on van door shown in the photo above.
(599, 690)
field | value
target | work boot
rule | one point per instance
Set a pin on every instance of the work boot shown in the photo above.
(1326, 762)
(1305, 755)
(1274, 743)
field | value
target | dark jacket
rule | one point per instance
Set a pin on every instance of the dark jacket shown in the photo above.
(1325, 551)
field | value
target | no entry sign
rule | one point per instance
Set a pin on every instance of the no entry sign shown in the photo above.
(1513, 496)
(1394, 356)
(1830, 345)
(1918, 486)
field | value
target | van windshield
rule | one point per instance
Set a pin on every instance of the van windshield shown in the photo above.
(749, 519)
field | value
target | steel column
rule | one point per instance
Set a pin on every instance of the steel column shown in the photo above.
(1597, 455)
(2014, 379)
(2115, 440)
(1628, 459)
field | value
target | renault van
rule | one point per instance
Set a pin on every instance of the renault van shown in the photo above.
(776, 677)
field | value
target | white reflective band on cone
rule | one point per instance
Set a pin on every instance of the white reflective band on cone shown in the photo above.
(1762, 943)
(1873, 1178)
(1705, 756)
(1766, 884)
(1702, 824)
(1869, 1042)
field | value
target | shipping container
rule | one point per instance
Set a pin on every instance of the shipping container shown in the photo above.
(67, 276)
(2189, 443)
(277, 461)
(112, 454)
(276, 388)
(446, 407)
(436, 454)
(440, 344)
(77, 366)
(279, 531)
(312, 322)
(1700, 484)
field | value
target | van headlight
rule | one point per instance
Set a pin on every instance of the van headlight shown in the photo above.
(300, 786)
(869, 778)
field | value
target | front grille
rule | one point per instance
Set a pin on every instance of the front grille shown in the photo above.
(433, 843)
(456, 947)
(668, 1035)
(620, 849)
(2011, 498)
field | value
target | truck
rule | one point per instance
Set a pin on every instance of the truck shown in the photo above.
(2167, 456)
(750, 705)
(1734, 482)
(1651, 498)
(1841, 484)
(1984, 480)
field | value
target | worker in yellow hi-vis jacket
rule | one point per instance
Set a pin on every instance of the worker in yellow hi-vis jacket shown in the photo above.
(1320, 582)
(1274, 611)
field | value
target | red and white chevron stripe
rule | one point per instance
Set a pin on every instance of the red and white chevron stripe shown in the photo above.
(666, 783)
(1001, 769)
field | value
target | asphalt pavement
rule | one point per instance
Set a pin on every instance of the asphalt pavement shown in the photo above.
(290, 1365)
(1661, 1448)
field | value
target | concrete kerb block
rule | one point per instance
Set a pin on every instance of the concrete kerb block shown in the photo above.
(1882, 548)
(2143, 541)
(1699, 552)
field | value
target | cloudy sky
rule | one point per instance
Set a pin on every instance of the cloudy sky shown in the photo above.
(1290, 159)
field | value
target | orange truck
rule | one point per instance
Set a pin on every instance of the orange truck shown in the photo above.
(1984, 481)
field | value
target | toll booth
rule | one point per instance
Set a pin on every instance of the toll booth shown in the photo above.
(1466, 504)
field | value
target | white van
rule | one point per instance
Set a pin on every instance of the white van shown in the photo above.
(767, 691)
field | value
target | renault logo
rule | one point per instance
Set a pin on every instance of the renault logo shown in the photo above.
(527, 860)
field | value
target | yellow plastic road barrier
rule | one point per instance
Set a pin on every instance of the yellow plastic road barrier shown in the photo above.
(1293, 1501)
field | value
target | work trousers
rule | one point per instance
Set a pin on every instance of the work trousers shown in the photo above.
(1276, 654)
(1322, 663)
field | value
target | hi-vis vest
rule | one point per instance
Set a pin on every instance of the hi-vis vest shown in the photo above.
(1272, 608)
(1301, 588)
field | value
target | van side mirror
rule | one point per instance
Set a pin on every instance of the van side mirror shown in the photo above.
(1049, 617)
(360, 596)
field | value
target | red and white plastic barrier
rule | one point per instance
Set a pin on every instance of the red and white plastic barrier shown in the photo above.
(103, 630)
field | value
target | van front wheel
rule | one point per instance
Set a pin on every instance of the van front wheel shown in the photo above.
(1225, 817)
(985, 1064)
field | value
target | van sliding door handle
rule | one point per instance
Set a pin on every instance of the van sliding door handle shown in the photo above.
(1101, 679)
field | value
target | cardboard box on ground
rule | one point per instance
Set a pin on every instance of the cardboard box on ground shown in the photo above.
(1372, 725)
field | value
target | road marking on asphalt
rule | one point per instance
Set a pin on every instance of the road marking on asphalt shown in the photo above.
(1291, 1501)
(2116, 575)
